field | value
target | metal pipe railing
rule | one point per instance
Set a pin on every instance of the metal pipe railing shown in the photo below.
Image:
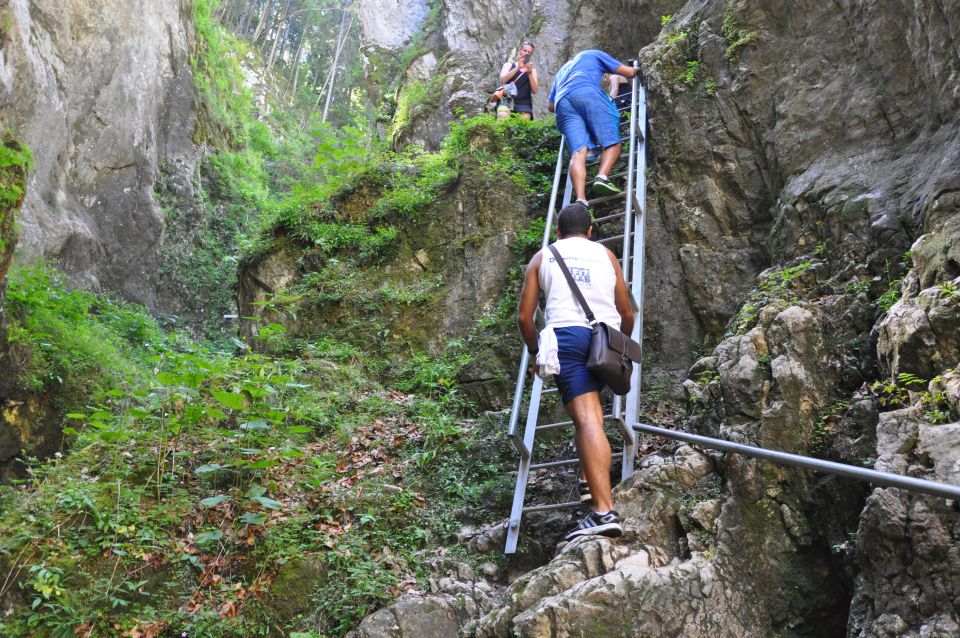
(886, 479)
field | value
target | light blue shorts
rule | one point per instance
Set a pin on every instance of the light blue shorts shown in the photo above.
(588, 118)
(573, 348)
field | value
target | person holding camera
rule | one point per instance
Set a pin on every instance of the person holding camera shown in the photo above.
(587, 117)
(522, 74)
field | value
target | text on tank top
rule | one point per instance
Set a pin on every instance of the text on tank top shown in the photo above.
(590, 267)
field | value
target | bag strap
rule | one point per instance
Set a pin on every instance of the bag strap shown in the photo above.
(518, 76)
(573, 284)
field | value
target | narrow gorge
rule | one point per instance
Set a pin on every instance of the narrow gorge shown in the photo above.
(259, 270)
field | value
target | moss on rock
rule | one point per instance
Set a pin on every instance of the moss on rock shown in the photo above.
(416, 250)
(15, 163)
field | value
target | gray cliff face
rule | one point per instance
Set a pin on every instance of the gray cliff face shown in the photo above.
(102, 95)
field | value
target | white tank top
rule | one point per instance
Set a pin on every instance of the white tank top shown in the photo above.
(591, 269)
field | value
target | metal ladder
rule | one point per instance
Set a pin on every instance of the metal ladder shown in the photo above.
(630, 207)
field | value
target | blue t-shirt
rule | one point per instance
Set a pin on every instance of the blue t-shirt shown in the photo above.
(584, 71)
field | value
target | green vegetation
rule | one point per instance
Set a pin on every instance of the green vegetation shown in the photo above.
(891, 296)
(681, 56)
(689, 75)
(198, 481)
(258, 160)
(375, 242)
(414, 97)
(909, 389)
(894, 289)
(780, 287)
(301, 480)
(15, 162)
(219, 492)
(72, 339)
(828, 426)
(733, 35)
(222, 88)
(948, 290)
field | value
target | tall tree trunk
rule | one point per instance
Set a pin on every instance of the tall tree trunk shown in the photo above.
(244, 22)
(279, 35)
(296, 63)
(263, 20)
(341, 40)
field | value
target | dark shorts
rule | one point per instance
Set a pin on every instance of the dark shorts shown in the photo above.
(573, 348)
(522, 106)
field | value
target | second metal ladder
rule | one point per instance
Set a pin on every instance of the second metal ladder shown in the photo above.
(630, 243)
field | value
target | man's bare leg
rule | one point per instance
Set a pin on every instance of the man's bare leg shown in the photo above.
(608, 158)
(578, 172)
(592, 447)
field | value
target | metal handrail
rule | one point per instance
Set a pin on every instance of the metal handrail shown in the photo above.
(887, 479)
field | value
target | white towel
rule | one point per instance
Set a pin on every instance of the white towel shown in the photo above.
(547, 355)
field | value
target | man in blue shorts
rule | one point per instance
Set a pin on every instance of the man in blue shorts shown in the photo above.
(601, 282)
(586, 116)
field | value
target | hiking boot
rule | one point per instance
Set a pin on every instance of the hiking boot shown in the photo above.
(603, 186)
(585, 495)
(597, 525)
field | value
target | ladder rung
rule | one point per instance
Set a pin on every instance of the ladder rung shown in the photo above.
(552, 506)
(612, 238)
(607, 198)
(542, 466)
(560, 424)
(554, 426)
(608, 217)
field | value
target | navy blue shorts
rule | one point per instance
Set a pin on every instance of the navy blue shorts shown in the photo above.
(573, 348)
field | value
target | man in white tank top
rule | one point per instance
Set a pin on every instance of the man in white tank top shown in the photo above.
(598, 275)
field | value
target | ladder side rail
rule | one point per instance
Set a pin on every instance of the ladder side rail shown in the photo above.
(512, 429)
(631, 164)
(515, 407)
(552, 209)
(525, 445)
(523, 471)
(636, 167)
(637, 267)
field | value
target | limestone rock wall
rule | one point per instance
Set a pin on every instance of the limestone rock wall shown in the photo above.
(102, 95)
(470, 41)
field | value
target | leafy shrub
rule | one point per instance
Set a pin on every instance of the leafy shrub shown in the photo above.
(15, 162)
(73, 337)
(733, 35)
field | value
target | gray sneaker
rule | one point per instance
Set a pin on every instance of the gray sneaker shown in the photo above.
(597, 525)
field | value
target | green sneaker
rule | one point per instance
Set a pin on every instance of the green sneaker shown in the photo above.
(603, 186)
